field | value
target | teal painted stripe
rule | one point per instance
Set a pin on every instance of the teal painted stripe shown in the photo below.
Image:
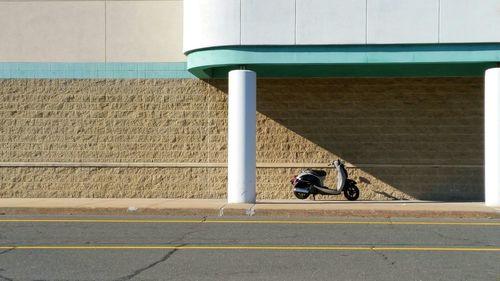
(206, 63)
(94, 71)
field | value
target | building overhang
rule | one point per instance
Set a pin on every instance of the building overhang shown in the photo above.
(406, 60)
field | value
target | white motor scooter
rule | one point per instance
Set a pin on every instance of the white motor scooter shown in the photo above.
(310, 182)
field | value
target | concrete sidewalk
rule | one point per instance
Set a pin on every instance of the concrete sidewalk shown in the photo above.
(219, 207)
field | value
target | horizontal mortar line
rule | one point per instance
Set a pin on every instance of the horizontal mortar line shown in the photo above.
(293, 248)
(220, 165)
(112, 165)
(255, 222)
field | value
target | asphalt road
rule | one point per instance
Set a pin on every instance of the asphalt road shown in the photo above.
(179, 248)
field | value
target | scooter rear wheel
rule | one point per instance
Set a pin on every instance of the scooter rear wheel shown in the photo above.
(303, 185)
(351, 192)
(301, 195)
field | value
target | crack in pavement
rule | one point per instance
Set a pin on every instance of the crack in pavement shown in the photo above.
(141, 270)
(184, 236)
(6, 251)
(167, 255)
(383, 256)
(2, 277)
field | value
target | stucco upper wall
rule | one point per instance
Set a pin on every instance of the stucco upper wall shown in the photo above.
(212, 23)
(91, 31)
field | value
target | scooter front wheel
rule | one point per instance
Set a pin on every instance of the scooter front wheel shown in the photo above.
(351, 192)
(301, 195)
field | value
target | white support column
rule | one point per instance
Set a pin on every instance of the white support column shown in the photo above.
(241, 137)
(492, 137)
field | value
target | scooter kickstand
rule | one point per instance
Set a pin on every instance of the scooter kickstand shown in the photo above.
(314, 197)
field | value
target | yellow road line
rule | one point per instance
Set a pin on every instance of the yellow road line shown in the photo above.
(360, 222)
(274, 248)
(254, 222)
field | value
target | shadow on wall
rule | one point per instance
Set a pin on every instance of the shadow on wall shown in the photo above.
(412, 138)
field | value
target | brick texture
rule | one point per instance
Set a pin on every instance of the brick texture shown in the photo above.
(412, 138)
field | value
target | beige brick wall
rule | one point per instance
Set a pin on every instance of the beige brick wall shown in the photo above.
(109, 182)
(394, 130)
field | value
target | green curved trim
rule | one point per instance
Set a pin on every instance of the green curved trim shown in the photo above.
(354, 60)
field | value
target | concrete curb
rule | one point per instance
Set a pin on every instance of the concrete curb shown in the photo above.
(229, 211)
(220, 207)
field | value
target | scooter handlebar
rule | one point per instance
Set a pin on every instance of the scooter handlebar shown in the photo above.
(332, 163)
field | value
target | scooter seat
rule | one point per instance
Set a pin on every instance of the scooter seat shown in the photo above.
(319, 173)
